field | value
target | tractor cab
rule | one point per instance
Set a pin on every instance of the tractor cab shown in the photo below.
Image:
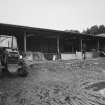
(9, 55)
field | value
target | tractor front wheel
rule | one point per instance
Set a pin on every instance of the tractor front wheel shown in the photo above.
(22, 72)
(4, 63)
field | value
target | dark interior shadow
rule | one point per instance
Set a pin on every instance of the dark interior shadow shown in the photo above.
(9, 75)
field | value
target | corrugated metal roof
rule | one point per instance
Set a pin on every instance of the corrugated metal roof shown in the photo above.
(16, 28)
(33, 29)
(101, 35)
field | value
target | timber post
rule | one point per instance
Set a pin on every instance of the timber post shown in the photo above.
(98, 45)
(25, 47)
(81, 45)
(58, 48)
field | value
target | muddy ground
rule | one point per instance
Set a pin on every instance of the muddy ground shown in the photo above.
(74, 82)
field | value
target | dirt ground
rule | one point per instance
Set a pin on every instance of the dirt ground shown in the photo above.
(75, 82)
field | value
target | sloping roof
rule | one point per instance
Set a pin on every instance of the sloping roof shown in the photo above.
(32, 29)
(101, 35)
(9, 28)
(42, 31)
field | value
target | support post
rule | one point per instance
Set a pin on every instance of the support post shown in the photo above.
(58, 48)
(58, 44)
(81, 44)
(82, 52)
(25, 42)
(98, 45)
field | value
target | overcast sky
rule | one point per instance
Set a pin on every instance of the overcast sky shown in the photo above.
(53, 14)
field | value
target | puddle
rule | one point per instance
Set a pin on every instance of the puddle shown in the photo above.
(102, 92)
(96, 63)
(96, 86)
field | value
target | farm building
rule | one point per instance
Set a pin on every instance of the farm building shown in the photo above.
(59, 44)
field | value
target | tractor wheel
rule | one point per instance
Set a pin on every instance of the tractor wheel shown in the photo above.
(22, 72)
(3, 60)
(4, 63)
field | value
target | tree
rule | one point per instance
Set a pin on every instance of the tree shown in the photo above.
(94, 30)
(101, 29)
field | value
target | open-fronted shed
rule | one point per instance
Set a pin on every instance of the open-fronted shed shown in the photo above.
(55, 42)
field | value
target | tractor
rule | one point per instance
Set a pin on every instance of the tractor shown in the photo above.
(10, 58)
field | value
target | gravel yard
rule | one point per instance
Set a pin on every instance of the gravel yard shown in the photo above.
(74, 82)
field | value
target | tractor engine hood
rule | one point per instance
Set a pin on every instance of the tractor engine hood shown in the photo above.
(12, 53)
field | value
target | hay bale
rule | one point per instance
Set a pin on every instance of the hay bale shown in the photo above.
(95, 53)
(34, 56)
(29, 56)
(38, 56)
(48, 56)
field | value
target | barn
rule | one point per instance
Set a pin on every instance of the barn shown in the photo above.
(54, 43)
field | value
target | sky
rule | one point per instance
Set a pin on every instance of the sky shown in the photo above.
(53, 14)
